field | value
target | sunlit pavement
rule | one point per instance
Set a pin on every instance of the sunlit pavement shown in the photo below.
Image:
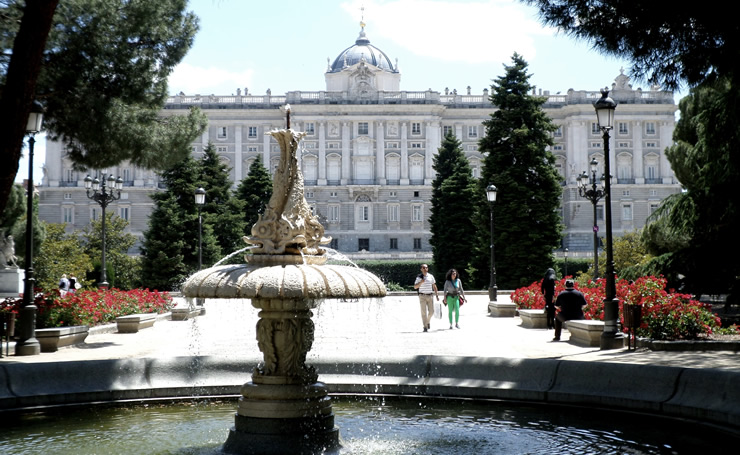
(369, 330)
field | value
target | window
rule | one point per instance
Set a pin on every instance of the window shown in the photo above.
(595, 128)
(221, 132)
(310, 128)
(392, 194)
(417, 145)
(393, 211)
(473, 131)
(416, 194)
(332, 194)
(221, 149)
(447, 129)
(364, 213)
(650, 128)
(67, 195)
(558, 132)
(627, 212)
(416, 212)
(252, 148)
(252, 132)
(124, 213)
(600, 212)
(596, 145)
(394, 244)
(651, 144)
(127, 175)
(417, 244)
(363, 244)
(68, 214)
(309, 194)
(416, 128)
(333, 213)
(623, 128)
(557, 148)
(391, 145)
(70, 175)
(625, 193)
(653, 207)
(363, 128)
(94, 215)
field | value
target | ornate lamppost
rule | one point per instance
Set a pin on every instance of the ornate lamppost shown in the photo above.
(200, 199)
(565, 255)
(593, 194)
(27, 343)
(492, 289)
(610, 338)
(103, 195)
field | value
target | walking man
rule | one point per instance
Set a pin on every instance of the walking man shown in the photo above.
(426, 286)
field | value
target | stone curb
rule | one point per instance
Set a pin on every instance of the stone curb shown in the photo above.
(667, 391)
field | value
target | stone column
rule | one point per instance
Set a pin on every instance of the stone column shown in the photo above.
(346, 154)
(322, 154)
(404, 154)
(380, 155)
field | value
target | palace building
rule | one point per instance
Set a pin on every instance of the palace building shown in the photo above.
(368, 154)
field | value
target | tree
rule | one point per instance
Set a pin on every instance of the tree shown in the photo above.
(690, 228)
(452, 189)
(170, 248)
(102, 76)
(60, 253)
(527, 221)
(666, 45)
(222, 208)
(255, 190)
(125, 270)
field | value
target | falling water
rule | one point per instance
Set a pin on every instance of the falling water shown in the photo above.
(225, 258)
(334, 255)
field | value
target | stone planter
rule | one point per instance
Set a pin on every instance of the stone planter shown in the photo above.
(133, 322)
(585, 332)
(502, 310)
(53, 339)
(533, 319)
(183, 314)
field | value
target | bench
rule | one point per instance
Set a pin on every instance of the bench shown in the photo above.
(133, 322)
(585, 332)
(502, 310)
(533, 319)
(50, 340)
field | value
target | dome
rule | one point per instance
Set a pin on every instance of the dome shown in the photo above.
(362, 49)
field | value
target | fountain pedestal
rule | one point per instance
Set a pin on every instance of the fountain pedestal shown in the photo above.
(284, 409)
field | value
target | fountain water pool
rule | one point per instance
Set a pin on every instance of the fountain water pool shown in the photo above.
(384, 425)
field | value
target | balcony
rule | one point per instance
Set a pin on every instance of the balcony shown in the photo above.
(625, 181)
(68, 184)
(653, 181)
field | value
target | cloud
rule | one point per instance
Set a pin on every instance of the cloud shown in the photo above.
(453, 31)
(205, 81)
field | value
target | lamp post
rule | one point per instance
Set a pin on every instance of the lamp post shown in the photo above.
(593, 194)
(610, 339)
(27, 343)
(492, 289)
(200, 199)
(565, 254)
(103, 195)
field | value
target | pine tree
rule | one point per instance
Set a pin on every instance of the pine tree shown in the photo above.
(452, 189)
(527, 224)
(255, 190)
(222, 208)
(170, 249)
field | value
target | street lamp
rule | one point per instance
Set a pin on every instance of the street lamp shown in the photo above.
(103, 195)
(27, 343)
(492, 289)
(610, 339)
(565, 254)
(593, 194)
(200, 199)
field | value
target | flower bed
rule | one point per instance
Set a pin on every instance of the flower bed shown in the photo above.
(94, 307)
(666, 315)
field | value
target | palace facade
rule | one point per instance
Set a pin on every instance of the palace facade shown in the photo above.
(368, 154)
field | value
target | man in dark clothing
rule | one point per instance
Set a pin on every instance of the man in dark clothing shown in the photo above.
(571, 303)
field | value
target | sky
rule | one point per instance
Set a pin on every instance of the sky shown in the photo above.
(437, 44)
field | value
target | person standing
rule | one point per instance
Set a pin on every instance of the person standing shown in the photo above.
(453, 292)
(72, 283)
(63, 285)
(571, 303)
(548, 290)
(426, 286)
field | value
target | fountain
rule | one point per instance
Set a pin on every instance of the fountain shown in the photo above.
(284, 409)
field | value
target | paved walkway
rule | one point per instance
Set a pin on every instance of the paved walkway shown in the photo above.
(366, 329)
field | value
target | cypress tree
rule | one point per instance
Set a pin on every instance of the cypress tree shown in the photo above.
(452, 190)
(255, 190)
(527, 223)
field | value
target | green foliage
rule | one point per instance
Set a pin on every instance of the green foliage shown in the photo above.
(19, 228)
(14, 210)
(691, 227)
(221, 209)
(452, 189)
(122, 271)
(686, 45)
(104, 81)
(527, 225)
(255, 190)
(400, 273)
(60, 253)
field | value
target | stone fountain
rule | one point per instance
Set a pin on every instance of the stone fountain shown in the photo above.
(284, 409)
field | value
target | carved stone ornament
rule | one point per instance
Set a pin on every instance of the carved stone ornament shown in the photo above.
(287, 226)
(7, 252)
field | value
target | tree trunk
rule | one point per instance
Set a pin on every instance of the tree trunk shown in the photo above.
(20, 86)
